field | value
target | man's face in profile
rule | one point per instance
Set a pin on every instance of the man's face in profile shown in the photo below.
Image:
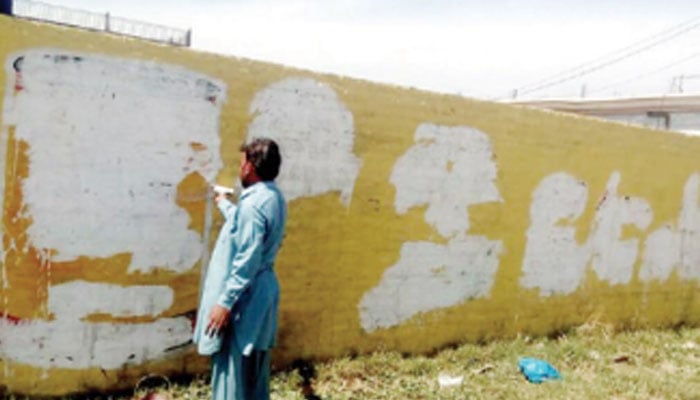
(246, 170)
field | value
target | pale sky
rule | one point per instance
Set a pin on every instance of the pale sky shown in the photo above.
(482, 49)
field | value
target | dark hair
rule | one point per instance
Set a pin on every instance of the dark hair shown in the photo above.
(264, 155)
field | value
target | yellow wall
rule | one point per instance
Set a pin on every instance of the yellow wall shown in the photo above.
(335, 252)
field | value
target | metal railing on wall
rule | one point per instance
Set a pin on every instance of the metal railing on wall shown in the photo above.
(101, 22)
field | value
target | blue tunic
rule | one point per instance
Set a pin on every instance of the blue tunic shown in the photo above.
(217, 272)
(241, 278)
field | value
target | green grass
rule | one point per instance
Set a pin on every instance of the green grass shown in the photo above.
(595, 363)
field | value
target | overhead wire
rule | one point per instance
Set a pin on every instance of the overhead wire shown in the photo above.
(674, 28)
(606, 60)
(648, 73)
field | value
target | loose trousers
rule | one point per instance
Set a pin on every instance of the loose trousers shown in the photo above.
(237, 377)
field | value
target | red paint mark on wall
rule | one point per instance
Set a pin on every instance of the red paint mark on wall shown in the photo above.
(17, 66)
(12, 319)
(18, 82)
(602, 200)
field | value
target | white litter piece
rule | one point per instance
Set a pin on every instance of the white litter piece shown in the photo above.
(446, 380)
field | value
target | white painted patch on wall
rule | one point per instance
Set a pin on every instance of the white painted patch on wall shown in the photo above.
(78, 299)
(449, 169)
(690, 229)
(316, 135)
(662, 253)
(613, 258)
(69, 342)
(430, 276)
(109, 141)
(554, 261)
(676, 245)
(79, 345)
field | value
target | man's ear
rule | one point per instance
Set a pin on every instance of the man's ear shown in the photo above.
(248, 168)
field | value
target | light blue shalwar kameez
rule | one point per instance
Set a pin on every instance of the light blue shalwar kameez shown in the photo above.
(241, 278)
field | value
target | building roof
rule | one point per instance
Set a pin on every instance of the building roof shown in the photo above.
(672, 103)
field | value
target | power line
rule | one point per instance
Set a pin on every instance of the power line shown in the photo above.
(610, 62)
(613, 53)
(649, 73)
(606, 60)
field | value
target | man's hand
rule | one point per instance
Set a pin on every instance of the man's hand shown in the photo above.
(218, 318)
(218, 196)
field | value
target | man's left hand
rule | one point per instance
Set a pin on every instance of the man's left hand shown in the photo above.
(218, 318)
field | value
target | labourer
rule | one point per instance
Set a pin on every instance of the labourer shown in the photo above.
(237, 317)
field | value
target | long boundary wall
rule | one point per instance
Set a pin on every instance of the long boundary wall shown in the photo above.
(416, 220)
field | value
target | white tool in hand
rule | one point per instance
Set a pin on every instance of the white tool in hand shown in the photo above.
(223, 189)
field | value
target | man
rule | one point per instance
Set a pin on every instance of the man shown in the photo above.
(237, 321)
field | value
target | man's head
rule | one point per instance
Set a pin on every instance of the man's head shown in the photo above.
(260, 161)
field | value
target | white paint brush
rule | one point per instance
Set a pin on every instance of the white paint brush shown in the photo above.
(223, 189)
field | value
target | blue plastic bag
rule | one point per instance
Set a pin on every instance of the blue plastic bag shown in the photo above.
(537, 371)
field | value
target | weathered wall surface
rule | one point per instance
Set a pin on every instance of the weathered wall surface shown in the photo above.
(416, 220)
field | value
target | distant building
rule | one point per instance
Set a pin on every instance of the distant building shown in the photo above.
(676, 112)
